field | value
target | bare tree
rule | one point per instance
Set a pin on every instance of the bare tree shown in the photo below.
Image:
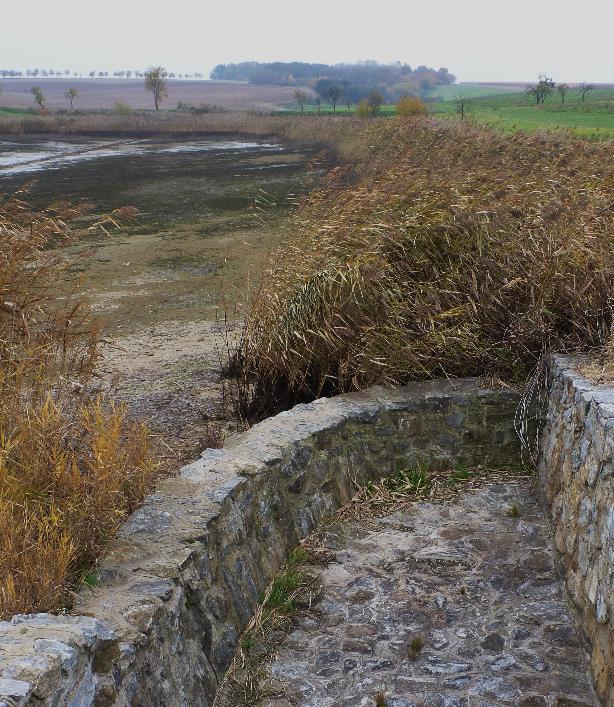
(542, 89)
(39, 96)
(300, 97)
(71, 94)
(375, 101)
(585, 88)
(333, 94)
(329, 90)
(562, 88)
(155, 81)
(462, 106)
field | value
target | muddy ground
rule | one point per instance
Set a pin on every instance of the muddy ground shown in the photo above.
(171, 286)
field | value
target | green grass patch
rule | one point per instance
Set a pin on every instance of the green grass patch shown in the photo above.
(511, 112)
(13, 112)
(459, 475)
(407, 481)
(506, 108)
(469, 90)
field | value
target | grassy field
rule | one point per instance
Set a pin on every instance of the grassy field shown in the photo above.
(472, 90)
(504, 106)
(515, 111)
(509, 109)
(12, 112)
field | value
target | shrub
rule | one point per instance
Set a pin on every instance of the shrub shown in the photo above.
(409, 106)
(363, 109)
(121, 108)
(71, 464)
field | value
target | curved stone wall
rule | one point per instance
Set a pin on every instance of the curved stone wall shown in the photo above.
(187, 569)
(577, 475)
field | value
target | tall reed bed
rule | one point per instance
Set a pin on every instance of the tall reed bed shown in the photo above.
(145, 123)
(434, 249)
(71, 464)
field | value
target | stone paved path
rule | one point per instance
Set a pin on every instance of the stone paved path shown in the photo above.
(471, 582)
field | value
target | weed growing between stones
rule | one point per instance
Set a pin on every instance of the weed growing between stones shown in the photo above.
(513, 511)
(391, 493)
(415, 646)
(292, 590)
(380, 699)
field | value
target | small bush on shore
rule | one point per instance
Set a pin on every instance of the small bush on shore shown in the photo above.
(409, 106)
(71, 465)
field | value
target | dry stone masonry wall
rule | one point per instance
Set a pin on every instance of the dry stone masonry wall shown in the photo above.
(577, 475)
(188, 568)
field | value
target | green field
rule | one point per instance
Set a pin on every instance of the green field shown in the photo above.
(11, 112)
(469, 90)
(508, 109)
(516, 111)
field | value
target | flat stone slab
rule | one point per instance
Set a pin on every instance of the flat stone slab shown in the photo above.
(470, 580)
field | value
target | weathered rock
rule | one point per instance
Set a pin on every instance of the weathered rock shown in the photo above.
(187, 569)
(576, 463)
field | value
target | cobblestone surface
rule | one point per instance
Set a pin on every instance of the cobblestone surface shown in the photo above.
(187, 569)
(471, 581)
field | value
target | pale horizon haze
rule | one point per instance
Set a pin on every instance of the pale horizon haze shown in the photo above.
(477, 40)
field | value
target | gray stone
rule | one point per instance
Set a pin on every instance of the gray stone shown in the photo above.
(188, 567)
(580, 496)
(401, 587)
(493, 642)
(497, 688)
(14, 689)
(434, 667)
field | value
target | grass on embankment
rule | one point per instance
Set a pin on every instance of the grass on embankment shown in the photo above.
(509, 110)
(71, 465)
(437, 248)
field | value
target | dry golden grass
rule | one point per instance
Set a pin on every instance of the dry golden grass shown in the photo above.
(141, 123)
(151, 123)
(71, 465)
(437, 248)
(600, 368)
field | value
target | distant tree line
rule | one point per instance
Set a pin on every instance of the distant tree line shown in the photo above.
(341, 81)
(66, 73)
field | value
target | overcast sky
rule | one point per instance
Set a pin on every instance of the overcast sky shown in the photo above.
(482, 40)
